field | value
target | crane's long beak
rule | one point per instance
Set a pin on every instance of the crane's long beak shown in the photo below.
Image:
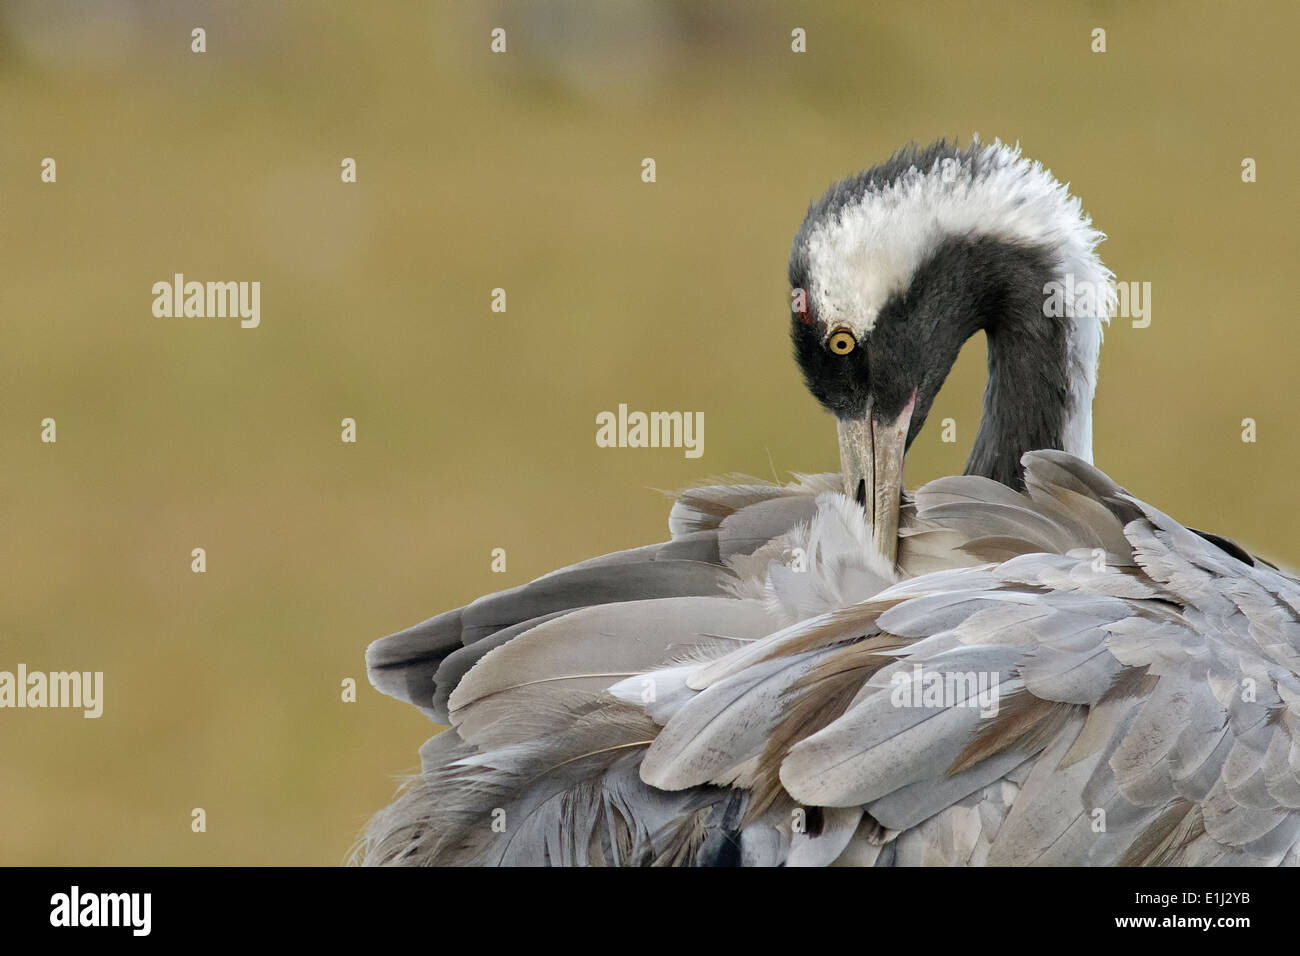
(871, 458)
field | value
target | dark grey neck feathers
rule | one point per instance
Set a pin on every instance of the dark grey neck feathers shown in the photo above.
(1027, 396)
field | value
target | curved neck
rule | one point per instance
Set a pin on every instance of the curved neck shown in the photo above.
(1024, 404)
(1041, 363)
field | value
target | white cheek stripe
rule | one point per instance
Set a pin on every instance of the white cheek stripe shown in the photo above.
(866, 254)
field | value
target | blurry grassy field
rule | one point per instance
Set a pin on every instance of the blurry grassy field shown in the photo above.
(477, 430)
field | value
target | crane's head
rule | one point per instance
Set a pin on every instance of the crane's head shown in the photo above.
(895, 268)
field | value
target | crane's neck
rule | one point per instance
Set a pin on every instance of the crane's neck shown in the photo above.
(1043, 335)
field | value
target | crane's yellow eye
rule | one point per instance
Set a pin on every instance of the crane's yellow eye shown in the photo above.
(842, 342)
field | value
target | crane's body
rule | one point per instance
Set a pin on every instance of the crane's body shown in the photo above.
(1021, 665)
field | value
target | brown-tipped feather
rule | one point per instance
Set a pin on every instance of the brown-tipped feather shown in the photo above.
(816, 699)
(1024, 721)
(838, 627)
(1131, 682)
(685, 841)
(1166, 836)
(996, 549)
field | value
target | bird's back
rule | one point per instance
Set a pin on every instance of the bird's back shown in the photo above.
(1061, 676)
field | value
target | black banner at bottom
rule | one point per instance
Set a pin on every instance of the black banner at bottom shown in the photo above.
(541, 908)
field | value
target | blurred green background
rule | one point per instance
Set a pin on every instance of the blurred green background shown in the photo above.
(476, 430)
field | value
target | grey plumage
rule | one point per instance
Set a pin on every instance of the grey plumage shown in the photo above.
(441, 650)
(1133, 740)
(1035, 668)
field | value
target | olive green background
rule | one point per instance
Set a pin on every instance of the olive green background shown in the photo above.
(476, 430)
